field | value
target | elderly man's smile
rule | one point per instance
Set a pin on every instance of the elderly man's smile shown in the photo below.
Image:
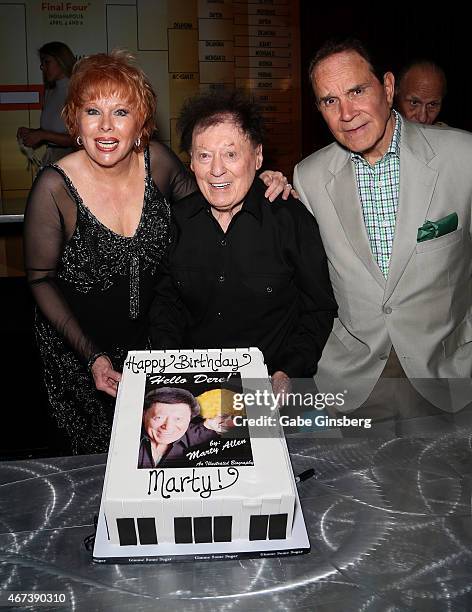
(355, 130)
(220, 185)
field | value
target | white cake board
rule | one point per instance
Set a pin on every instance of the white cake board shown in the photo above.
(298, 544)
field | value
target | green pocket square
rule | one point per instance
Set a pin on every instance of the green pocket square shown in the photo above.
(434, 229)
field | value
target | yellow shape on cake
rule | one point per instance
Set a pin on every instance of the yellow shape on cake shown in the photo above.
(217, 402)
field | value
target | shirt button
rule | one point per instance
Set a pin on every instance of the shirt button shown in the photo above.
(221, 278)
(269, 289)
(387, 310)
(223, 243)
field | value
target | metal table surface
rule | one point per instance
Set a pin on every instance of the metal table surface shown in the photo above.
(389, 522)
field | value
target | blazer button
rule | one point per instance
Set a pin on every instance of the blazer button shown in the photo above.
(221, 278)
(269, 289)
(223, 243)
(387, 310)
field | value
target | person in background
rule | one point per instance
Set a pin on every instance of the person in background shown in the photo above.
(57, 62)
(241, 272)
(392, 200)
(420, 90)
(97, 225)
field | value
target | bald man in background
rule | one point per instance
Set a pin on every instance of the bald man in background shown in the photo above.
(421, 87)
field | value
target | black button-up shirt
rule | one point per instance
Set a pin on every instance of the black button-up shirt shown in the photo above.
(263, 283)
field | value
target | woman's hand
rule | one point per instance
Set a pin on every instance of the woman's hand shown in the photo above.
(105, 377)
(276, 184)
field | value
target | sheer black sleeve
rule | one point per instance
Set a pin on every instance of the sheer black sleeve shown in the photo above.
(169, 173)
(50, 219)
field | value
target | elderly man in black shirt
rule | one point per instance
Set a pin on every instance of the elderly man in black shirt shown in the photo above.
(241, 272)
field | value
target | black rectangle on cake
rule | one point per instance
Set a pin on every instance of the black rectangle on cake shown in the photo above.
(258, 527)
(183, 530)
(126, 531)
(222, 528)
(202, 530)
(147, 530)
(278, 526)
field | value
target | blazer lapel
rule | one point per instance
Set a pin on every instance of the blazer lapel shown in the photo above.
(417, 182)
(342, 190)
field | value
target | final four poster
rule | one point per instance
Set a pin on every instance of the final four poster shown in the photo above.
(188, 421)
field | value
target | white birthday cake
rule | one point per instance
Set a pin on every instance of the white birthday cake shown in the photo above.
(191, 459)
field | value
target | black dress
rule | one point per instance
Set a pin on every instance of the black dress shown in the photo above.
(93, 287)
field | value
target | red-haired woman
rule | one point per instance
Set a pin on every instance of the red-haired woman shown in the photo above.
(96, 228)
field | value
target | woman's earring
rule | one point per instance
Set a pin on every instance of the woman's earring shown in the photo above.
(79, 141)
(137, 144)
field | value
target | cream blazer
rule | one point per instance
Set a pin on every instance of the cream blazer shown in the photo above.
(423, 308)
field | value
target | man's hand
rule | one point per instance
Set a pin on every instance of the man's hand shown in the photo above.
(105, 377)
(276, 184)
(30, 138)
(221, 423)
(281, 384)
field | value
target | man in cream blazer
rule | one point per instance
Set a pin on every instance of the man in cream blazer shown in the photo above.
(397, 296)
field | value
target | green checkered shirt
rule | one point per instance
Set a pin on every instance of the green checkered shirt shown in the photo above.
(378, 190)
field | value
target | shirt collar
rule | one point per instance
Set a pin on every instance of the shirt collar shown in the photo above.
(252, 201)
(394, 147)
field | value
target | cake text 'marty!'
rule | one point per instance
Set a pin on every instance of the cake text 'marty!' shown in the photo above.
(203, 484)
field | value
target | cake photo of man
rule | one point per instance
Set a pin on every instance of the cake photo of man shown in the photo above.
(177, 432)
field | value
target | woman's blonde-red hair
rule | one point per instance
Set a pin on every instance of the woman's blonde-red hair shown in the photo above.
(104, 75)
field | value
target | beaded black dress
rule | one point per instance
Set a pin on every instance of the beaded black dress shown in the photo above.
(94, 287)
